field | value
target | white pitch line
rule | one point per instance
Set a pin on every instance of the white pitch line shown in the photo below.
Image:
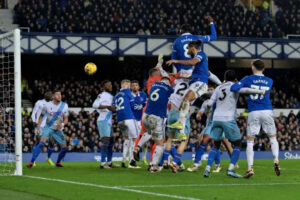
(208, 185)
(112, 187)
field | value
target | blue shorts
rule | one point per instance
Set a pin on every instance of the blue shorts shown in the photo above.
(173, 117)
(230, 128)
(57, 135)
(104, 129)
(207, 129)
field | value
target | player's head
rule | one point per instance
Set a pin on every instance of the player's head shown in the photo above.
(194, 47)
(185, 28)
(106, 85)
(230, 76)
(57, 95)
(135, 86)
(257, 66)
(48, 96)
(153, 72)
(166, 80)
(125, 84)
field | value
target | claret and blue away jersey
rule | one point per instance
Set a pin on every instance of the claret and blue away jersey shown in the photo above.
(200, 72)
(124, 104)
(158, 99)
(140, 100)
(256, 101)
(180, 46)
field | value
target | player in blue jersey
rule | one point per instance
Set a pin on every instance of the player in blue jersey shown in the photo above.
(260, 114)
(198, 83)
(57, 116)
(180, 49)
(140, 99)
(104, 107)
(155, 115)
(124, 106)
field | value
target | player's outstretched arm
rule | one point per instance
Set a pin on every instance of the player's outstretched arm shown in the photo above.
(184, 62)
(212, 77)
(251, 91)
(39, 123)
(237, 86)
(213, 35)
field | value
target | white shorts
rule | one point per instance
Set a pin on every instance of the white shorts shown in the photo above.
(155, 126)
(258, 119)
(199, 88)
(129, 128)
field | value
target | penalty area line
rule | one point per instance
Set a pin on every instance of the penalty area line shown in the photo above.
(120, 188)
(208, 185)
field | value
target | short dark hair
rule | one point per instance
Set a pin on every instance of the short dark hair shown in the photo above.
(258, 64)
(152, 71)
(104, 82)
(186, 28)
(230, 75)
(56, 90)
(195, 44)
(134, 81)
(48, 95)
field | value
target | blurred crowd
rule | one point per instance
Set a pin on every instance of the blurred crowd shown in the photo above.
(157, 17)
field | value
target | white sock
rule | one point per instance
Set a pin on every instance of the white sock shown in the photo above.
(157, 155)
(131, 147)
(144, 139)
(145, 150)
(184, 111)
(275, 148)
(207, 168)
(250, 154)
(126, 145)
(231, 166)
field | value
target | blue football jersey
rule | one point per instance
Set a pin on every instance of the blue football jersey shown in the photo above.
(139, 102)
(200, 72)
(158, 99)
(124, 104)
(180, 46)
(256, 101)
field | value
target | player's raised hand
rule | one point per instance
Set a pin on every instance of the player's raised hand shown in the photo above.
(209, 18)
(170, 62)
(160, 59)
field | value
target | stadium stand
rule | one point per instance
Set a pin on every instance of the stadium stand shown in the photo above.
(149, 17)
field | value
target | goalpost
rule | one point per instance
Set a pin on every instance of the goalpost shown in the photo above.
(10, 104)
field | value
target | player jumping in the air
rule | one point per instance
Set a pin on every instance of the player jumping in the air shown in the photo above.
(155, 115)
(35, 115)
(57, 116)
(124, 105)
(260, 114)
(224, 121)
(103, 104)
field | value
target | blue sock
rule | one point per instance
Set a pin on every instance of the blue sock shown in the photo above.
(218, 157)
(61, 154)
(235, 155)
(166, 155)
(104, 149)
(37, 150)
(177, 158)
(110, 152)
(211, 156)
(199, 152)
(50, 151)
(173, 150)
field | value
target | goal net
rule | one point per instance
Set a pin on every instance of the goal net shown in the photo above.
(10, 104)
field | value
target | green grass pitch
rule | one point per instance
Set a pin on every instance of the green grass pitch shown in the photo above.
(84, 180)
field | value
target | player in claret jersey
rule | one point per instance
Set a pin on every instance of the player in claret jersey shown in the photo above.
(260, 113)
(155, 115)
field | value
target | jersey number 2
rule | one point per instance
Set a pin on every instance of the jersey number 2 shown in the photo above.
(183, 88)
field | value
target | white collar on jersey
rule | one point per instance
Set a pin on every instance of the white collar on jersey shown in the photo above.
(259, 74)
(186, 34)
(138, 94)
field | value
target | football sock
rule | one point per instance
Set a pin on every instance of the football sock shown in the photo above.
(144, 139)
(37, 151)
(211, 156)
(138, 139)
(234, 157)
(61, 154)
(166, 155)
(173, 150)
(250, 154)
(199, 152)
(104, 149)
(145, 150)
(157, 154)
(275, 148)
(131, 146)
(218, 157)
(110, 152)
(152, 151)
(125, 149)
(183, 112)
(177, 158)
(50, 151)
